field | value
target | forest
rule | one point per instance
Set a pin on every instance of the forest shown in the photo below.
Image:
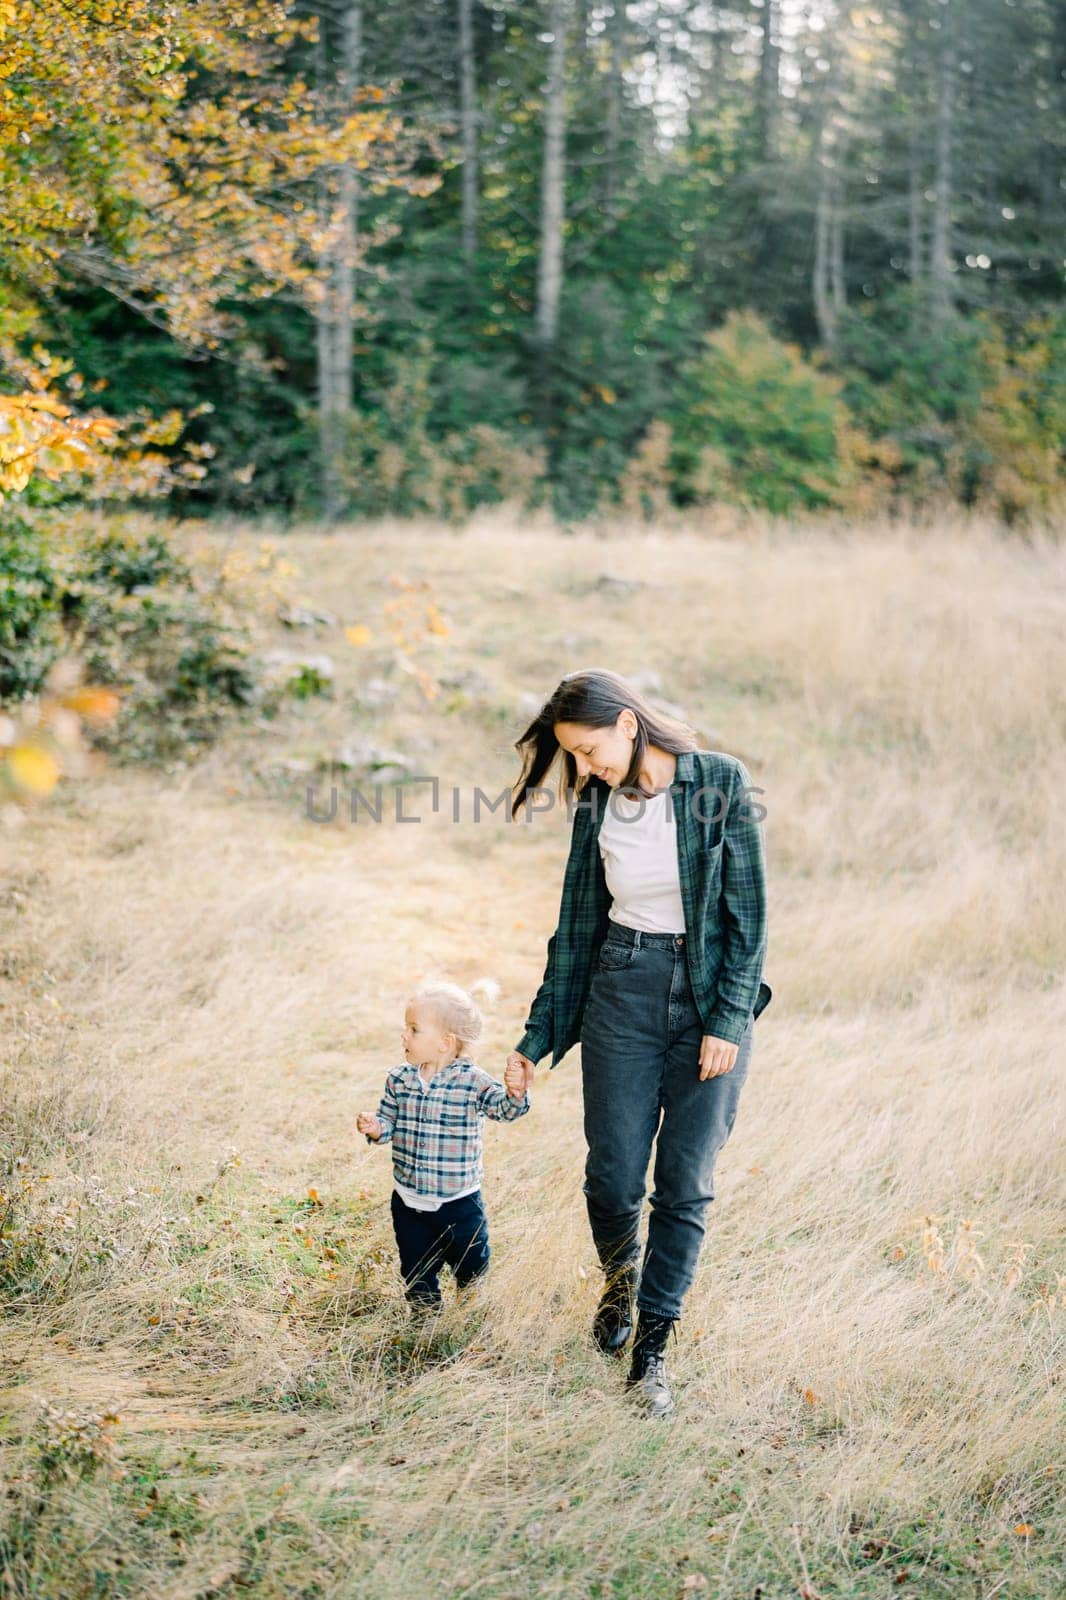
(344, 260)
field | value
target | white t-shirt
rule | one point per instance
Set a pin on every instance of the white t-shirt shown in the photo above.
(421, 1202)
(639, 851)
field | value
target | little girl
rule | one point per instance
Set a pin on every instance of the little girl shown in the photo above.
(431, 1111)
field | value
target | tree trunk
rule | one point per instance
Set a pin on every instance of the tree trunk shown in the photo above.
(940, 285)
(769, 85)
(336, 313)
(616, 35)
(712, 77)
(915, 263)
(838, 288)
(1051, 148)
(824, 309)
(552, 202)
(468, 92)
(829, 277)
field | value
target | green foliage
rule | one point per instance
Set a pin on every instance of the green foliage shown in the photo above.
(908, 377)
(611, 379)
(967, 408)
(396, 460)
(141, 618)
(179, 660)
(1011, 457)
(31, 634)
(756, 423)
(644, 487)
(115, 561)
(307, 682)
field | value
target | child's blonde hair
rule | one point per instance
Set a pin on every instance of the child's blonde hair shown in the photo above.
(455, 1009)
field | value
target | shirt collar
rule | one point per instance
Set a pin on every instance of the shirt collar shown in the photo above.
(458, 1065)
(686, 770)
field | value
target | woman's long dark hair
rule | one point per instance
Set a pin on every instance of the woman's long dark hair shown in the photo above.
(594, 697)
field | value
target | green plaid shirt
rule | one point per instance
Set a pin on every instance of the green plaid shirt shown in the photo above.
(723, 892)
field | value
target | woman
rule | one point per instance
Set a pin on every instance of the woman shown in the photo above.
(655, 967)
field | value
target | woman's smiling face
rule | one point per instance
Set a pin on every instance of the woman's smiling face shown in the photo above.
(604, 752)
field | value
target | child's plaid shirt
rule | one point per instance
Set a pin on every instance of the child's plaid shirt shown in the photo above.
(435, 1131)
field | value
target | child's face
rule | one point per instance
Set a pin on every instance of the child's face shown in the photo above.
(424, 1039)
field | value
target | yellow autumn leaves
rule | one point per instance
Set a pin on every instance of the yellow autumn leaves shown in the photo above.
(39, 433)
(42, 740)
(411, 617)
(206, 192)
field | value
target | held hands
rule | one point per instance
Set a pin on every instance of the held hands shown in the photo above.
(518, 1076)
(716, 1056)
(367, 1122)
(519, 1072)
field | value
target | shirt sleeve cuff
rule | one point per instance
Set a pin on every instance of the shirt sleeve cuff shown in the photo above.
(730, 1024)
(533, 1046)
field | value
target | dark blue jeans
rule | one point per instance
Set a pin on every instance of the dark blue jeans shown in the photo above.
(456, 1235)
(640, 1047)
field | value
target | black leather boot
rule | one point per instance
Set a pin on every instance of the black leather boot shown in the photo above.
(613, 1322)
(647, 1369)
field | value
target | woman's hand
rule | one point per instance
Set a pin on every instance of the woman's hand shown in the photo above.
(367, 1122)
(716, 1056)
(518, 1063)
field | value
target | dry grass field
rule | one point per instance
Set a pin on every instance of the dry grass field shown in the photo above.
(208, 1384)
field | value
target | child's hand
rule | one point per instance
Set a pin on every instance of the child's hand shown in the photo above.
(515, 1079)
(523, 1065)
(367, 1122)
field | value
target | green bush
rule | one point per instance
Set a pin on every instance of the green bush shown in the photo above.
(1011, 455)
(139, 617)
(399, 461)
(31, 632)
(970, 405)
(755, 423)
(122, 564)
(907, 376)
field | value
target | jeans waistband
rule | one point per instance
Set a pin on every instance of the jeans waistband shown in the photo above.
(619, 932)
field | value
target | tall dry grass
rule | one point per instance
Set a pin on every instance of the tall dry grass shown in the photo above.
(201, 987)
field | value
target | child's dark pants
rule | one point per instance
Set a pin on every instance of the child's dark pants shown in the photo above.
(456, 1235)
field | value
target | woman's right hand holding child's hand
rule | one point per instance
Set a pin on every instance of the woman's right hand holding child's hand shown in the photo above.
(367, 1122)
